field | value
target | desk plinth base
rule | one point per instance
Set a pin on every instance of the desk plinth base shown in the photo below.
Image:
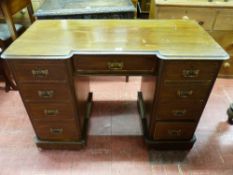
(161, 144)
(69, 145)
(72, 145)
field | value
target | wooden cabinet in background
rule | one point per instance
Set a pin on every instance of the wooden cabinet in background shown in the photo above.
(216, 17)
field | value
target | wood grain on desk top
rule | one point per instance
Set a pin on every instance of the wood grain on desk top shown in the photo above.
(168, 39)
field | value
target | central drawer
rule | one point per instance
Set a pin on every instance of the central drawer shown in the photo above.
(112, 64)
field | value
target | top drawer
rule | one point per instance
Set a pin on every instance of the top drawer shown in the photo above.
(120, 64)
(37, 71)
(191, 70)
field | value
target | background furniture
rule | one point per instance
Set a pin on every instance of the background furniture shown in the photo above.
(86, 9)
(9, 32)
(230, 114)
(179, 66)
(5, 40)
(10, 7)
(143, 7)
(214, 16)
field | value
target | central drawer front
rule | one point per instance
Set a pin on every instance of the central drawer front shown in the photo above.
(46, 92)
(191, 70)
(174, 130)
(51, 111)
(60, 130)
(115, 64)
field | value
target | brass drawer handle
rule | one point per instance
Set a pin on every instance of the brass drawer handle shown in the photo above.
(191, 73)
(56, 130)
(184, 93)
(46, 93)
(115, 65)
(51, 112)
(40, 73)
(174, 132)
(179, 113)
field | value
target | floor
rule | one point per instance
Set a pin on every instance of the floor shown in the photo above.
(115, 145)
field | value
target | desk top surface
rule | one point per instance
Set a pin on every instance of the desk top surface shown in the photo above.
(75, 7)
(167, 39)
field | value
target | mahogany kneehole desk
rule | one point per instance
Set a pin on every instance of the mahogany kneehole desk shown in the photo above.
(53, 59)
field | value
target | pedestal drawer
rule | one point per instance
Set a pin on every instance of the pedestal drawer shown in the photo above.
(191, 70)
(51, 111)
(46, 92)
(184, 91)
(115, 64)
(179, 110)
(174, 130)
(60, 130)
(40, 71)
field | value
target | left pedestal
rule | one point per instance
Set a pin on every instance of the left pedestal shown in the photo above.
(51, 97)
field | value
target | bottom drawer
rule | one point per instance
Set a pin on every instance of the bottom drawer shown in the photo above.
(174, 130)
(57, 131)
